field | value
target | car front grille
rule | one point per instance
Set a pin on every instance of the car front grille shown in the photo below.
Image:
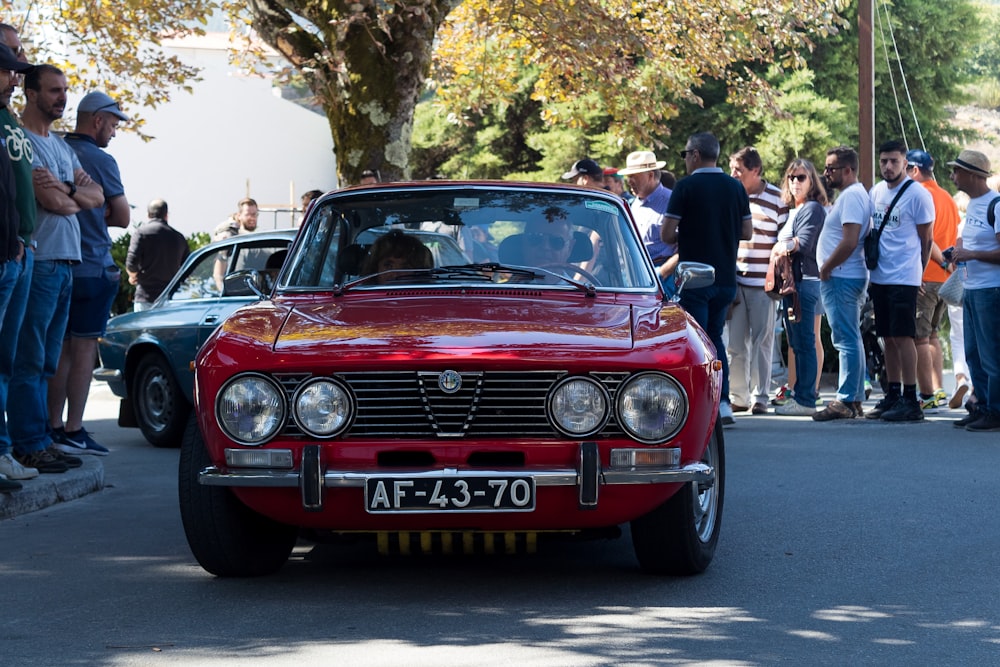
(489, 404)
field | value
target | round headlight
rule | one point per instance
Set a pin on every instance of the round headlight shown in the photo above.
(652, 407)
(251, 409)
(579, 407)
(322, 408)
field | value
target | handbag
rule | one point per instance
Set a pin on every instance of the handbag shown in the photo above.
(952, 290)
(872, 251)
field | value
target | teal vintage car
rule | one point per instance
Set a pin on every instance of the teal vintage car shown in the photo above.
(146, 356)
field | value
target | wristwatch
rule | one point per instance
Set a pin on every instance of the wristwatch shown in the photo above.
(72, 187)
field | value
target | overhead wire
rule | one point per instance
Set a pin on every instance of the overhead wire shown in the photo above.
(884, 7)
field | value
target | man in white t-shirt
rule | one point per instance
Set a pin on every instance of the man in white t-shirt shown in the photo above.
(844, 276)
(977, 255)
(905, 247)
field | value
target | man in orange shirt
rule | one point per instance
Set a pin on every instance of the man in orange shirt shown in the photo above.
(930, 306)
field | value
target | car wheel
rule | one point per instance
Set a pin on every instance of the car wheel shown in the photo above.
(160, 409)
(679, 537)
(226, 537)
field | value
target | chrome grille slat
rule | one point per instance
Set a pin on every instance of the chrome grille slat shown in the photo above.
(490, 404)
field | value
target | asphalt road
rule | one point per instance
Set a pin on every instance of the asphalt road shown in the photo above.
(845, 543)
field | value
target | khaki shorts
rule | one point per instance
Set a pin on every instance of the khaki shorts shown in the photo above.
(930, 308)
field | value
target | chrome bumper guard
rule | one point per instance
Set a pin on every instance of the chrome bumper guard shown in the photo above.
(311, 479)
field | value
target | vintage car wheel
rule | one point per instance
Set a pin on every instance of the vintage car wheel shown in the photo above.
(226, 537)
(160, 409)
(679, 537)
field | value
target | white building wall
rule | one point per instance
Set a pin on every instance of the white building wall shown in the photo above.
(234, 137)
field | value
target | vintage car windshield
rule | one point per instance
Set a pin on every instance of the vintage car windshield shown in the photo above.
(464, 234)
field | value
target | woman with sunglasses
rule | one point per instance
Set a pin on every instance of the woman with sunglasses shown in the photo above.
(804, 193)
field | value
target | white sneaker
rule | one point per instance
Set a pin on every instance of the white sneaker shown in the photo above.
(726, 413)
(12, 469)
(794, 409)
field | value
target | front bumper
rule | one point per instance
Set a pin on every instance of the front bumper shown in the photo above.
(588, 477)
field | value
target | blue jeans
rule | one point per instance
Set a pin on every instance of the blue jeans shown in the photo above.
(11, 324)
(843, 299)
(802, 339)
(38, 347)
(708, 306)
(981, 316)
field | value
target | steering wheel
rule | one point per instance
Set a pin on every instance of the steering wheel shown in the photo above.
(570, 270)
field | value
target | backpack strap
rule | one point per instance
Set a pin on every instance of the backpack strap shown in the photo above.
(991, 215)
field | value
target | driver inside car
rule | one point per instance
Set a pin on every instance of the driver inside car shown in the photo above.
(395, 251)
(547, 243)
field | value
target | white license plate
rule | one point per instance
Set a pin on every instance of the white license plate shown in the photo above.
(449, 494)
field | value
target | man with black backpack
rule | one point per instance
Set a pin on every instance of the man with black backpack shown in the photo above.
(902, 224)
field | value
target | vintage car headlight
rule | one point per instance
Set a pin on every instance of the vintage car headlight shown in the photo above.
(322, 408)
(652, 407)
(579, 406)
(251, 409)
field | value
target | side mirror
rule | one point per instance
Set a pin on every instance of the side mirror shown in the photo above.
(246, 282)
(693, 275)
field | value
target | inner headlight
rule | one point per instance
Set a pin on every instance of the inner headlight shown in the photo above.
(579, 407)
(251, 409)
(322, 408)
(652, 407)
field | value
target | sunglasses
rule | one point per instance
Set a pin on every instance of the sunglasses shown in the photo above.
(801, 178)
(829, 168)
(553, 242)
(687, 152)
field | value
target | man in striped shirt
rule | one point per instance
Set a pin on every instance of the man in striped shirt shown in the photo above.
(751, 328)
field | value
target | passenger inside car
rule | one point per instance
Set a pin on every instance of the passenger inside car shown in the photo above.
(394, 251)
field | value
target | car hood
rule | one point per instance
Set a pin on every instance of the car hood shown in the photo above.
(440, 324)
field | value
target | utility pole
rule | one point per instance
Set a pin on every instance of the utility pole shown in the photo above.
(866, 93)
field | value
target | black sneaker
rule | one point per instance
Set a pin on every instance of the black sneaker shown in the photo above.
(883, 406)
(974, 415)
(905, 410)
(42, 461)
(988, 421)
(70, 461)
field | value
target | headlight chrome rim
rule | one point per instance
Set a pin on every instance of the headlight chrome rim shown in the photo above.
(277, 421)
(553, 397)
(624, 394)
(348, 397)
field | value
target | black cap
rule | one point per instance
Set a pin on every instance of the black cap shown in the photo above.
(585, 166)
(9, 61)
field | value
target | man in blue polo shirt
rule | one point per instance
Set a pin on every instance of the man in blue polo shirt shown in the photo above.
(95, 278)
(707, 217)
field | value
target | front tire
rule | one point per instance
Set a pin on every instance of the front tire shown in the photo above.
(679, 537)
(161, 411)
(226, 537)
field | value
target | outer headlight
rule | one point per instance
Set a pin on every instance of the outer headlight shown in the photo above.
(579, 406)
(322, 408)
(251, 409)
(652, 407)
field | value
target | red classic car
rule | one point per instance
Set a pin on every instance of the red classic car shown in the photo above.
(537, 387)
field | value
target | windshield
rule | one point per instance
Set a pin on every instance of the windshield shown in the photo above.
(423, 235)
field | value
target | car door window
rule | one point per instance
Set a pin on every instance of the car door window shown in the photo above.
(199, 283)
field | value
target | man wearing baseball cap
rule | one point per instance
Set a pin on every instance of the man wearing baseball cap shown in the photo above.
(978, 250)
(930, 306)
(586, 172)
(95, 278)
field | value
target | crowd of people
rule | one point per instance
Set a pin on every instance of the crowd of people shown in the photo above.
(894, 247)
